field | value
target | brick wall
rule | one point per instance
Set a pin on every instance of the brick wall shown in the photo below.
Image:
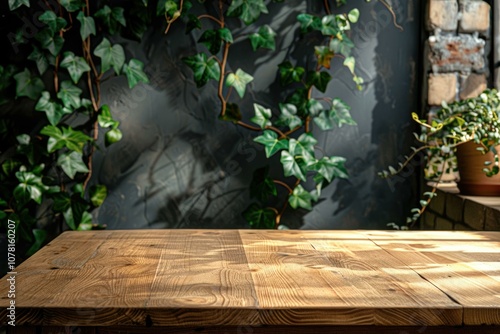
(450, 211)
(456, 67)
(456, 63)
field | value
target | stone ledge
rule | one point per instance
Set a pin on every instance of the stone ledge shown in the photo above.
(462, 212)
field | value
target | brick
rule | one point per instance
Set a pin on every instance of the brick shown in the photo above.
(475, 16)
(462, 227)
(472, 85)
(492, 220)
(462, 53)
(474, 214)
(428, 220)
(437, 204)
(442, 14)
(442, 87)
(443, 224)
(454, 208)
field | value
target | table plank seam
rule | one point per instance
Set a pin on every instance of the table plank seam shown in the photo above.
(451, 298)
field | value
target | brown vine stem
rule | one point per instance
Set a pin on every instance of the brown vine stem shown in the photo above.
(278, 217)
(433, 191)
(208, 16)
(281, 183)
(389, 8)
(327, 7)
(91, 154)
(173, 19)
(256, 128)
(221, 79)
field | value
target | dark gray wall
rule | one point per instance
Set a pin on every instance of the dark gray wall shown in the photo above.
(178, 166)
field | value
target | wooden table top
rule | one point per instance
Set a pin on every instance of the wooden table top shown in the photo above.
(260, 277)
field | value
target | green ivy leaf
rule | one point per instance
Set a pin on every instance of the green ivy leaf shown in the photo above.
(30, 187)
(49, 41)
(75, 65)
(329, 25)
(309, 23)
(353, 15)
(318, 79)
(72, 139)
(264, 38)
(300, 100)
(98, 194)
(72, 5)
(112, 136)
(211, 39)
(314, 107)
(225, 35)
(239, 81)
(337, 115)
(62, 202)
(168, 7)
(324, 56)
(262, 186)
(111, 56)
(259, 217)
(112, 18)
(72, 163)
(232, 114)
(70, 95)
(305, 147)
(340, 114)
(262, 116)
(10, 166)
(74, 214)
(291, 166)
(14, 4)
(290, 74)
(54, 22)
(87, 25)
(247, 10)
(28, 85)
(193, 23)
(289, 116)
(134, 72)
(350, 63)
(40, 236)
(40, 60)
(342, 46)
(53, 110)
(203, 69)
(271, 142)
(105, 119)
(331, 167)
(300, 198)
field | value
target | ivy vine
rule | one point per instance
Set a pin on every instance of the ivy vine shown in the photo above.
(286, 129)
(63, 51)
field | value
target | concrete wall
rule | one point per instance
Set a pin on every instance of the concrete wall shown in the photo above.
(178, 166)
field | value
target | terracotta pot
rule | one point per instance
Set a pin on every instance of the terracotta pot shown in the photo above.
(473, 181)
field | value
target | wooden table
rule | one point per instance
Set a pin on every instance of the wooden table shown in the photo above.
(261, 281)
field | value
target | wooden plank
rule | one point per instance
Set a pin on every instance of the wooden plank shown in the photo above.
(467, 271)
(300, 279)
(204, 269)
(304, 330)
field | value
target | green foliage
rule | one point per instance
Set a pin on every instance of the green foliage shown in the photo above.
(61, 71)
(288, 129)
(471, 120)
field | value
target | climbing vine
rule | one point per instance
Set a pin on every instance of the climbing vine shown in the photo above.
(286, 129)
(63, 51)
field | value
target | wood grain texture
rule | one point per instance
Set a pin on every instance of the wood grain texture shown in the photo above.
(250, 279)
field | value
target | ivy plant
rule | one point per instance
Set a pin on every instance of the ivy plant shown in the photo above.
(62, 52)
(285, 130)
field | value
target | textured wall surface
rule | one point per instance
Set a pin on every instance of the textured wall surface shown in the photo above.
(178, 166)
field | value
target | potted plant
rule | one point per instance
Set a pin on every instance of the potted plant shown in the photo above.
(464, 135)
